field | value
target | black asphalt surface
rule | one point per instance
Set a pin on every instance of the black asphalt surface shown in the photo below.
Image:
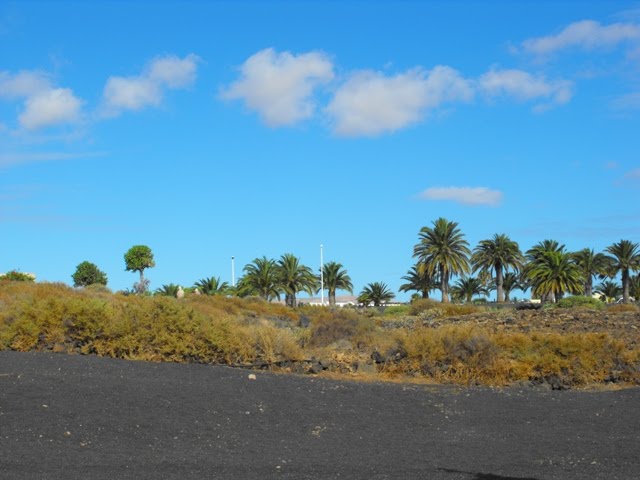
(84, 417)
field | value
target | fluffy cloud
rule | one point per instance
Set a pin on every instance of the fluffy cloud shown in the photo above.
(279, 86)
(23, 84)
(586, 34)
(464, 195)
(51, 107)
(174, 72)
(44, 105)
(525, 86)
(370, 103)
(147, 89)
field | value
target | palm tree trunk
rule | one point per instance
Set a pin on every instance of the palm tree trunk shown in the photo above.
(444, 285)
(332, 298)
(588, 286)
(499, 281)
(625, 285)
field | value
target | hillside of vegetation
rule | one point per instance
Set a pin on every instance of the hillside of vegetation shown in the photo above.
(563, 346)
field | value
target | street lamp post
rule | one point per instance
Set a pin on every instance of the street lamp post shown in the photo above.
(321, 279)
(233, 272)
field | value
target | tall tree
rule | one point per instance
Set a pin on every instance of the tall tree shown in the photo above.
(260, 278)
(419, 279)
(444, 252)
(591, 264)
(552, 274)
(497, 255)
(535, 254)
(137, 259)
(466, 287)
(88, 273)
(335, 278)
(376, 293)
(294, 277)
(625, 258)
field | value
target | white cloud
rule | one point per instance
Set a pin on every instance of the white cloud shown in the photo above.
(464, 195)
(279, 86)
(23, 84)
(173, 71)
(132, 93)
(370, 103)
(585, 34)
(50, 107)
(147, 89)
(44, 105)
(524, 86)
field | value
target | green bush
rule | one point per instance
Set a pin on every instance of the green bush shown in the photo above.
(16, 276)
(580, 301)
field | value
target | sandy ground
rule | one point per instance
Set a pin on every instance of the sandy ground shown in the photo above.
(79, 417)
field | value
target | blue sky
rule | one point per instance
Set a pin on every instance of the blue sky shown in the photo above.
(208, 130)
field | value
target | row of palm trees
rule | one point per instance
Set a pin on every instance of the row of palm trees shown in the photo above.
(442, 255)
(547, 268)
(271, 279)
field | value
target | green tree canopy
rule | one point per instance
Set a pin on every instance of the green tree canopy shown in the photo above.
(376, 293)
(212, 286)
(294, 277)
(625, 258)
(466, 287)
(88, 273)
(137, 259)
(591, 264)
(552, 274)
(497, 255)
(444, 252)
(260, 278)
(335, 278)
(419, 279)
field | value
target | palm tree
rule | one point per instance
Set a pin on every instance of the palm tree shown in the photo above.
(608, 291)
(497, 254)
(294, 278)
(168, 290)
(536, 253)
(419, 279)
(625, 259)
(552, 274)
(466, 287)
(511, 282)
(444, 252)
(260, 278)
(590, 264)
(212, 286)
(376, 293)
(335, 278)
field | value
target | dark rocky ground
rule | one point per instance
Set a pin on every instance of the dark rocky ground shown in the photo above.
(72, 417)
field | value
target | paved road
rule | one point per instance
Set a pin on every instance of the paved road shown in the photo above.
(83, 417)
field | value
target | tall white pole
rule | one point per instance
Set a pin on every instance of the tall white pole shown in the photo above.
(233, 272)
(321, 279)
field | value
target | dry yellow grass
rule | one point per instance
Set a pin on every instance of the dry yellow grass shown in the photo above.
(251, 331)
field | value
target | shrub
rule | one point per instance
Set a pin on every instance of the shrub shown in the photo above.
(16, 276)
(580, 301)
(88, 273)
